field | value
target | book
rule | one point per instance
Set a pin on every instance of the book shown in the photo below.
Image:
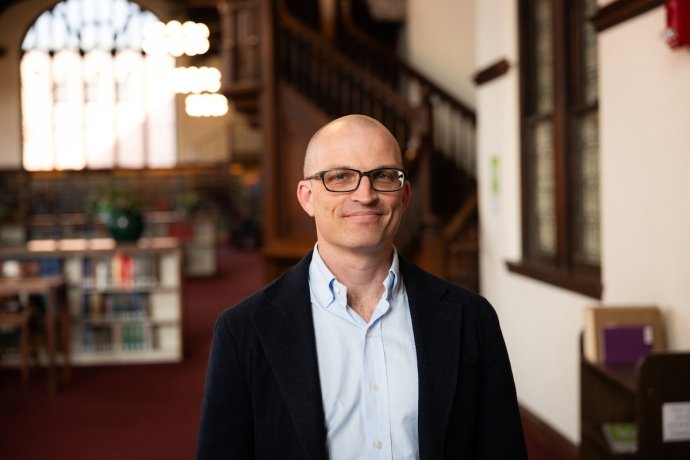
(626, 344)
(622, 335)
(621, 437)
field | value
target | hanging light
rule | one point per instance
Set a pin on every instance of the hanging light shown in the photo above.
(196, 79)
(206, 105)
(176, 38)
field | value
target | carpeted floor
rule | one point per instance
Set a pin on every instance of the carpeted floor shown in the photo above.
(133, 412)
(129, 411)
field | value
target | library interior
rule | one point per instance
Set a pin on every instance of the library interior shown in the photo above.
(149, 154)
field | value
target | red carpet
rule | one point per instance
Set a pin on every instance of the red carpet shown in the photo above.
(142, 412)
(126, 412)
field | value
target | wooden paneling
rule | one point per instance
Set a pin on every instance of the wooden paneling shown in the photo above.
(299, 120)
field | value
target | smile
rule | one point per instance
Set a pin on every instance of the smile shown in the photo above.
(364, 216)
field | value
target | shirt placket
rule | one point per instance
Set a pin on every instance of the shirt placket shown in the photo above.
(375, 391)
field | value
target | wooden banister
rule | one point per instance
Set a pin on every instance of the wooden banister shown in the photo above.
(453, 121)
(336, 84)
(461, 218)
(434, 129)
(385, 57)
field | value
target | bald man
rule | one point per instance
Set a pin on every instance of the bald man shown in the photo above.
(355, 353)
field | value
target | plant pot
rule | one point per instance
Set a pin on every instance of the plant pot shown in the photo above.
(125, 225)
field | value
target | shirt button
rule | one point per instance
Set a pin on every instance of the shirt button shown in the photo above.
(369, 334)
(374, 387)
(378, 445)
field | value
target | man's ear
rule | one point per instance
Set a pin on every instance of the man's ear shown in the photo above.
(304, 196)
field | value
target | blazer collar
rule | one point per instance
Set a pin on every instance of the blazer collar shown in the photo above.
(285, 327)
(437, 334)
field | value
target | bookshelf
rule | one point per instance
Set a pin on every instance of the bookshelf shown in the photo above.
(125, 301)
(637, 394)
(198, 235)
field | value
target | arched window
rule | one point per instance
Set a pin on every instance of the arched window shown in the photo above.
(91, 97)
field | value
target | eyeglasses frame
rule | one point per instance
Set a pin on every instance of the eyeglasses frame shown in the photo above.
(320, 174)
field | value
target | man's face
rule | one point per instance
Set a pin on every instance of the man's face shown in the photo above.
(363, 220)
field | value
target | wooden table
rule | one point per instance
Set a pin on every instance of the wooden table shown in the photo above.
(48, 287)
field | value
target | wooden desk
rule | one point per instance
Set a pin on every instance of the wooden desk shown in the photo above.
(47, 286)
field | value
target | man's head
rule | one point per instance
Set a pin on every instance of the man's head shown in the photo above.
(364, 219)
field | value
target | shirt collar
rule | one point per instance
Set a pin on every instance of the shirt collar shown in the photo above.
(323, 282)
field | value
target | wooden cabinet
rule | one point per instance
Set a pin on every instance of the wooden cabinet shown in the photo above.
(654, 395)
(125, 301)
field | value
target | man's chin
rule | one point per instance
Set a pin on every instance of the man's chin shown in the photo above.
(369, 246)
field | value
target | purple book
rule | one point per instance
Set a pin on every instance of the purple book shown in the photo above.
(625, 344)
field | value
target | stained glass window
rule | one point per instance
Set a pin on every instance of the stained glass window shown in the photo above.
(544, 192)
(91, 97)
(560, 141)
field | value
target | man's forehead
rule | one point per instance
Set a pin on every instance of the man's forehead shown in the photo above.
(350, 140)
(353, 127)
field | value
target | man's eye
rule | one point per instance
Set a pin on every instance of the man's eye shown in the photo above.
(385, 176)
(341, 176)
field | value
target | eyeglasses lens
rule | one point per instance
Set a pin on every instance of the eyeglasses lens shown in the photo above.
(347, 180)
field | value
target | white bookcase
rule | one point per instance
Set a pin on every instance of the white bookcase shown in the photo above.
(198, 235)
(125, 300)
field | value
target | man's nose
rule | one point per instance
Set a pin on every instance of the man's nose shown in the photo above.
(365, 191)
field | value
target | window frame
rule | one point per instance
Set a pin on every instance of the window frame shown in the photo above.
(562, 268)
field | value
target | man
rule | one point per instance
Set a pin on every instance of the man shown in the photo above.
(355, 353)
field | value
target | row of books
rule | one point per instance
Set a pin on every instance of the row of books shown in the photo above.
(120, 270)
(131, 305)
(42, 266)
(131, 337)
(622, 335)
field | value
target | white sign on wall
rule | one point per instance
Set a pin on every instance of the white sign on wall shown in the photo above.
(675, 420)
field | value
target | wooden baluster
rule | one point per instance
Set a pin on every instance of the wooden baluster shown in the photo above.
(431, 256)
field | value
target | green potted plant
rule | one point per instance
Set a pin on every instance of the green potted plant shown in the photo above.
(122, 214)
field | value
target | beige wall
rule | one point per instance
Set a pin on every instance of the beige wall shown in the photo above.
(440, 41)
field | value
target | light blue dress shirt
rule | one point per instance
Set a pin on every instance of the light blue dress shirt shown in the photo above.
(368, 371)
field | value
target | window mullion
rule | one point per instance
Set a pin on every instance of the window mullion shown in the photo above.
(561, 132)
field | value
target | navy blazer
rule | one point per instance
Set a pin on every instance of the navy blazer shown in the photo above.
(263, 397)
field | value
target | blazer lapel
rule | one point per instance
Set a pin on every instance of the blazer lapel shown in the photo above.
(436, 329)
(286, 331)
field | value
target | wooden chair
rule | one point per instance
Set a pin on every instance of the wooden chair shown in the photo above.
(18, 318)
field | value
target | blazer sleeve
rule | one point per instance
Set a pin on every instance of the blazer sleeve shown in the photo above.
(226, 427)
(500, 434)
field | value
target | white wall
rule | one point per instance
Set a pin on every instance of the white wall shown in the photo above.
(440, 38)
(645, 162)
(645, 189)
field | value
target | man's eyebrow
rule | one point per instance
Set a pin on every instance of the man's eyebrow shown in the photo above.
(351, 167)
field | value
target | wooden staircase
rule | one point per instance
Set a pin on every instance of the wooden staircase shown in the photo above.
(292, 80)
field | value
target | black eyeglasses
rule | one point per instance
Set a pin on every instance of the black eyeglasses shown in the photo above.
(347, 180)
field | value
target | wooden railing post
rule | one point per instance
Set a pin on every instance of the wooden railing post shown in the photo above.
(431, 256)
(241, 54)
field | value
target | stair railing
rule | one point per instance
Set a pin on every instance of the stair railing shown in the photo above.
(424, 118)
(338, 86)
(453, 122)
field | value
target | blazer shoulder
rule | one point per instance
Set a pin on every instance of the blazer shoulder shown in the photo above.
(418, 279)
(291, 285)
